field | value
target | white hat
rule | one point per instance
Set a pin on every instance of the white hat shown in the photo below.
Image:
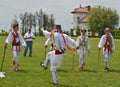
(107, 29)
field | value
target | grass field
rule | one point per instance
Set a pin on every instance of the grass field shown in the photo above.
(32, 75)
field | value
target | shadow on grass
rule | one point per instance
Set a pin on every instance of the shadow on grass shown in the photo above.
(22, 71)
(67, 85)
(61, 85)
(114, 70)
(61, 70)
(86, 70)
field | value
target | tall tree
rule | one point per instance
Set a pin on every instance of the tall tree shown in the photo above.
(52, 21)
(23, 18)
(39, 19)
(101, 17)
(45, 21)
(30, 20)
(34, 23)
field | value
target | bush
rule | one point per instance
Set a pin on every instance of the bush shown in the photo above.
(116, 34)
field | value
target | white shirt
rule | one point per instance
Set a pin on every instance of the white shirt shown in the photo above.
(10, 39)
(83, 41)
(103, 40)
(59, 41)
(29, 36)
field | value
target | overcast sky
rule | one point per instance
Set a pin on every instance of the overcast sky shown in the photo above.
(60, 8)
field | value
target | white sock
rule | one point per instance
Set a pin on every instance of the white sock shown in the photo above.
(54, 76)
(81, 60)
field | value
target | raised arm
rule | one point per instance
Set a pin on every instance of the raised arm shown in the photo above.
(71, 42)
(45, 33)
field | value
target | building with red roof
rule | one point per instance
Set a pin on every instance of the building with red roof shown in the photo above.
(80, 19)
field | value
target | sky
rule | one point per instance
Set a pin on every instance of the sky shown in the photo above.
(60, 8)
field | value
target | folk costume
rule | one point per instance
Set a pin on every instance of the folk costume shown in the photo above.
(83, 42)
(50, 41)
(16, 38)
(29, 36)
(107, 42)
(55, 56)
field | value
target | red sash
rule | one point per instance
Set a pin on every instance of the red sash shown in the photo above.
(60, 51)
(68, 47)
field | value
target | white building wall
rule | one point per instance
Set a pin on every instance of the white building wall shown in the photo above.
(84, 25)
(75, 20)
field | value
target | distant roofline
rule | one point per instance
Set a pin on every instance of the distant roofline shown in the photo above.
(85, 9)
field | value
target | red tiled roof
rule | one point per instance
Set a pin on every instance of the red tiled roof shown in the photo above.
(84, 20)
(81, 10)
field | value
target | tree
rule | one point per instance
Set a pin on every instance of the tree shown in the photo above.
(39, 19)
(45, 21)
(34, 23)
(30, 20)
(101, 17)
(52, 21)
(23, 18)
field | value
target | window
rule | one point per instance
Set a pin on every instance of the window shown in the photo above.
(78, 19)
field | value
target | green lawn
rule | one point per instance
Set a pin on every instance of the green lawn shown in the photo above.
(32, 75)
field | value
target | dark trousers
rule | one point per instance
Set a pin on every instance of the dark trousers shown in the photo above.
(29, 45)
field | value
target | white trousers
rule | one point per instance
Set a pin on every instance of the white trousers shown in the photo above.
(16, 57)
(107, 58)
(55, 61)
(81, 59)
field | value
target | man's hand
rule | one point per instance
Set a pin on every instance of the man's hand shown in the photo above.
(42, 28)
(77, 47)
(46, 46)
(5, 45)
(31, 37)
(99, 48)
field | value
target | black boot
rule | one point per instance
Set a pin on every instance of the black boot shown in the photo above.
(42, 65)
(106, 69)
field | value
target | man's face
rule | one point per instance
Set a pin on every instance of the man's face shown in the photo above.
(16, 28)
(83, 32)
(107, 32)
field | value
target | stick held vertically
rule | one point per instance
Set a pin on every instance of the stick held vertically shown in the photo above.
(2, 74)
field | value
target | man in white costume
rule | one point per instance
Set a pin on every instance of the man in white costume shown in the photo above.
(15, 38)
(107, 42)
(83, 42)
(55, 56)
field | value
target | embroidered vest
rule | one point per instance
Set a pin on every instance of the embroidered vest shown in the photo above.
(108, 43)
(15, 42)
